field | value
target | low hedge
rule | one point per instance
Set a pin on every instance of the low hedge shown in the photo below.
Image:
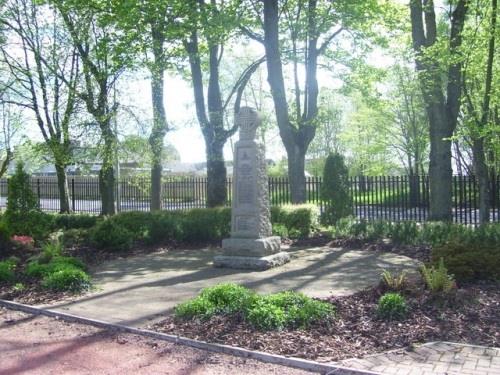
(299, 220)
(74, 221)
(199, 225)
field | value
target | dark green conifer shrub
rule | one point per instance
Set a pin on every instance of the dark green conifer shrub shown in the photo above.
(335, 190)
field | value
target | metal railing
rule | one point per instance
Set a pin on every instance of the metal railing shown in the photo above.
(394, 198)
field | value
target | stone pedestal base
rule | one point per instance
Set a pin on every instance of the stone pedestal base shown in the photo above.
(251, 247)
(252, 253)
(252, 263)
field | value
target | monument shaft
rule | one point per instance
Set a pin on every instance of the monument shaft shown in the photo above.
(251, 244)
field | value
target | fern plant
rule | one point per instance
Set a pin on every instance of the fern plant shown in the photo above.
(394, 282)
(438, 280)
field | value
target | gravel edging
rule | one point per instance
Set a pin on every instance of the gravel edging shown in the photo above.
(308, 365)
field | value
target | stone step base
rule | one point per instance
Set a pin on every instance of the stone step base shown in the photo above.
(252, 263)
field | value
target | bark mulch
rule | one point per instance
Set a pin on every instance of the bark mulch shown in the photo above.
(469, 316)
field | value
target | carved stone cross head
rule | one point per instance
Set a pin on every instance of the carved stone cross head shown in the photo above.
(248, 120)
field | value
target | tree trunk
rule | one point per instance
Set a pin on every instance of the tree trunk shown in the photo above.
(440, 171)
(156, 139)
(216, 176)
(442, 110)
(107, 174)
(296, 176)
(62, 185)
(277, 84)
(482, 179)
(160, 126)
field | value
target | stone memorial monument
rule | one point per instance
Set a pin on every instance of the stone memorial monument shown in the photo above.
(252, 245)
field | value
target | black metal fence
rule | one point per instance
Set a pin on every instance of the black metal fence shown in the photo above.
(394, 198)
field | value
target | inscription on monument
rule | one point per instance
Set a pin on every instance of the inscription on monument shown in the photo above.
(245, 192)
(245, 223)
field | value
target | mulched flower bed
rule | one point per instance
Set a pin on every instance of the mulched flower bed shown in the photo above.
(471, 316)
(34, 294)
(418, 252)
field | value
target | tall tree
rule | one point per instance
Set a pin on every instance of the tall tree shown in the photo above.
(442, 106)
(479, 90)
(45, 53)
(210, 27)
(103, 55)
(310, 27)
(155, 29)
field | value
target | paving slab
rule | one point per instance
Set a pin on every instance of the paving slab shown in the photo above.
(138, 290)
(439, 358)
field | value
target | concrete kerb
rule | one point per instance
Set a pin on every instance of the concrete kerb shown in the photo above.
(307, 365)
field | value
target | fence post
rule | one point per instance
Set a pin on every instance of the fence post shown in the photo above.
(73, 194)
(38, 190)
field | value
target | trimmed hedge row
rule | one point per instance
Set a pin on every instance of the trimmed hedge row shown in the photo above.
(39, 225)
(199, 225)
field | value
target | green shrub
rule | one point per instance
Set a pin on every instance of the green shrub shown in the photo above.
(469, 261)
(195, 308)
(280, 230)
(219, 299)
(7, 271)
(5, 236)
(75, 237)
(75, 221)
(392, 306)
(136, 222)
(34, 224)
(38, 268)
(266, 316)
(67, 279)
(299, 220)
(228, 298)
(50, 250)
(19, 287)
(20, 196)
(335, 190)
(437, 279)
(394, 282)
(23, 215)
(274, 311)
(300, 310)
(110, 236)
(206, 224)
(165, 226)
(350, 227)
(404, 232)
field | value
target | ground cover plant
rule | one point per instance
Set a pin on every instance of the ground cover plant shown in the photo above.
(264, 312)
(392, 306)
(41, 274)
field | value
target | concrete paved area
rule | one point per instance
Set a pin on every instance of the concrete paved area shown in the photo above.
(138, 290)
(433, 358)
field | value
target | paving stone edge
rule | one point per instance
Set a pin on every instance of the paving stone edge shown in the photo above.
(307, 365)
